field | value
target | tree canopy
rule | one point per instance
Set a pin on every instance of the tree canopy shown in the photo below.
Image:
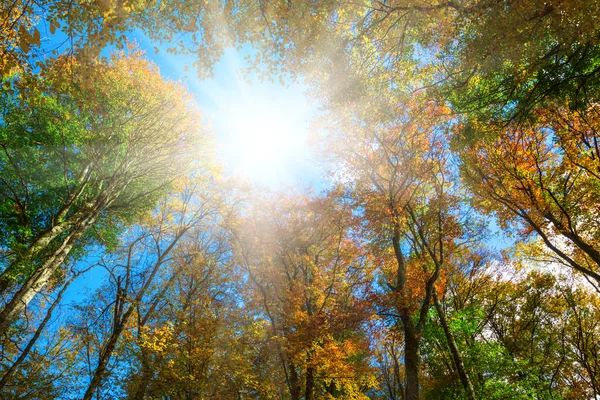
(453, 253)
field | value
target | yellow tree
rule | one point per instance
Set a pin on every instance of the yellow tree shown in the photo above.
(308, 281)
(18, 34)
(134, 287)
(191, 339)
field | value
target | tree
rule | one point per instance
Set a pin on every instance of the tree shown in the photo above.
(404, 181)
(309, 281)
(18, 36)
(520, 56)
(39, 358)
(92, 147)
(191, 340)
(138, 267)
(543, 177)
(387, 354)
(513, 318)
(25, 352)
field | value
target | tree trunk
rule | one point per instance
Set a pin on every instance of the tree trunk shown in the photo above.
(58, 226)
(35, 337)
(145, 379)
(458, 363)
(44, 272)
(310, 383)
(40, 278)
(9, 275)
(412, 357)
(107, 352)
(294, 383)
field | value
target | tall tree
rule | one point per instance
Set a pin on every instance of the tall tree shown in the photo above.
(406, 183)
(91, 148)
(190, 339)
(309, 280)
(136, 272)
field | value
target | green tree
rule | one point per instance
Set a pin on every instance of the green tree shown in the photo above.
(90, 148)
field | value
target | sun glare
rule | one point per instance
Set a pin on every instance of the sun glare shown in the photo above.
(264, 136)
(261, 128)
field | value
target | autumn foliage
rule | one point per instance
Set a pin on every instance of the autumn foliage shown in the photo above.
(452, 250)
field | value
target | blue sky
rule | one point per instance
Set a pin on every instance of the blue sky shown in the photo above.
(261, 128)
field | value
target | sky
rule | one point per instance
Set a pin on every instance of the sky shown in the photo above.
(261, 128)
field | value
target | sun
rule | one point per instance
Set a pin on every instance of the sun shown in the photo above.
(264, 135)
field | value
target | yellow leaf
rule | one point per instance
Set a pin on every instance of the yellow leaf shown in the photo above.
(24, 45)
(103, 5)
(36, 37)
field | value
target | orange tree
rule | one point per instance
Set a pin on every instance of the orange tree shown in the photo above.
(544, 176)
(308, 281)
(402, 176)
